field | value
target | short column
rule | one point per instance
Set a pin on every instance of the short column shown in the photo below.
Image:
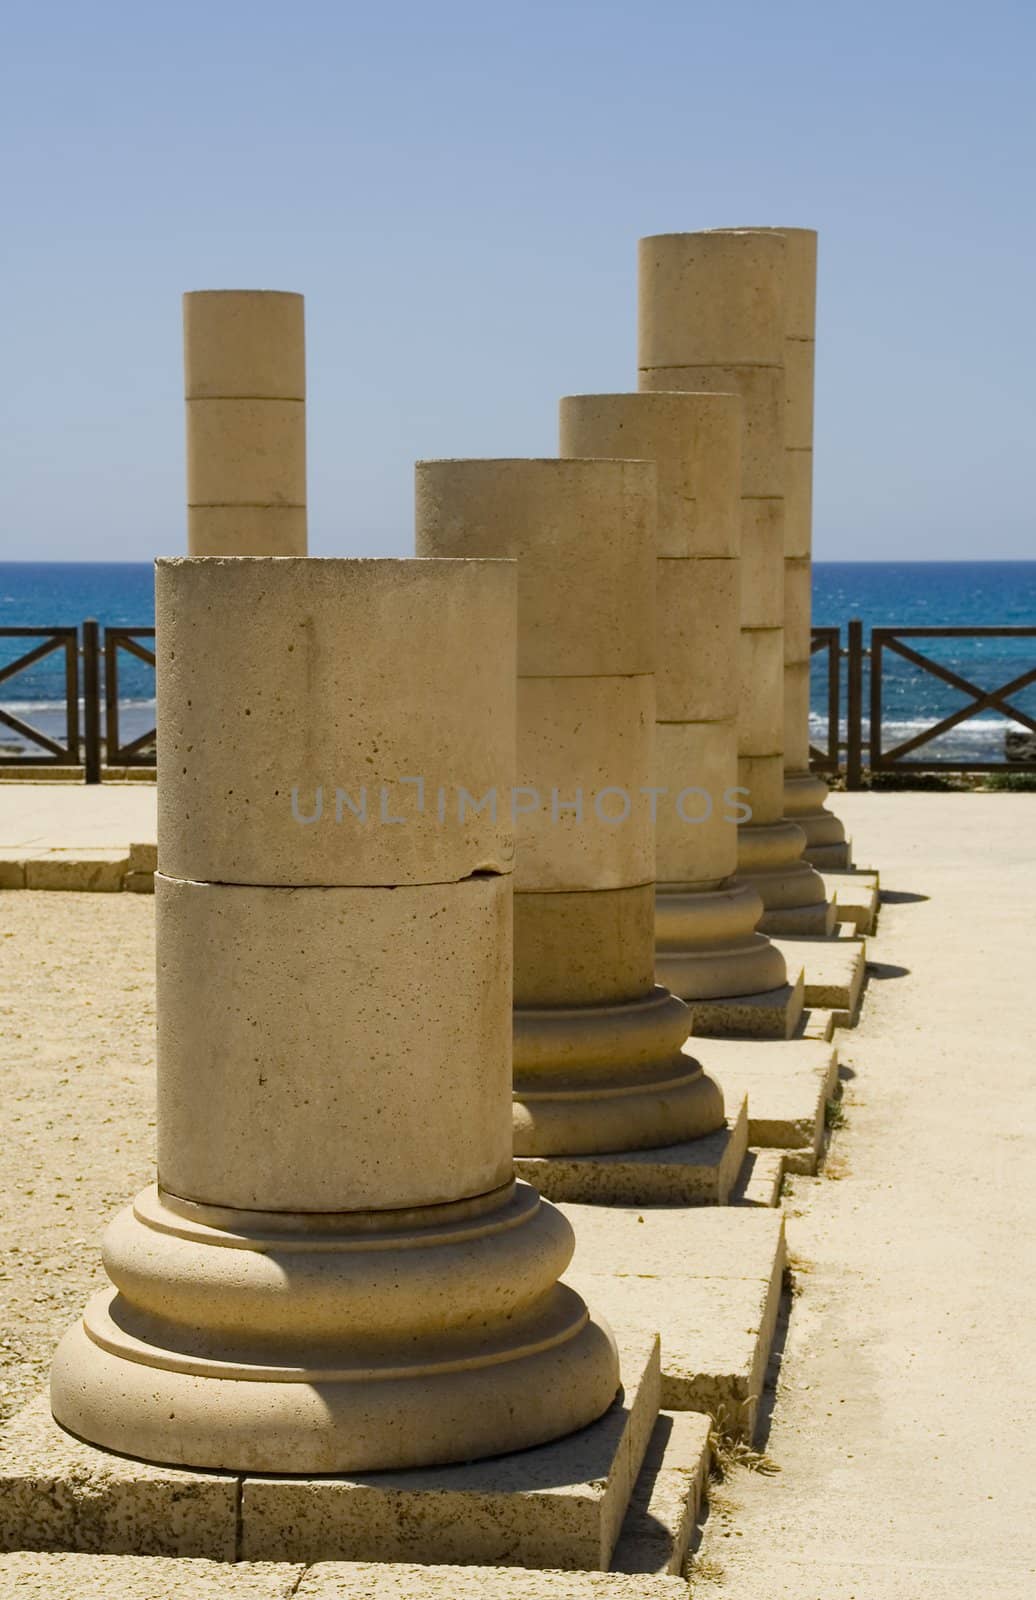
(598, 1066)
(335, 1271)
(245, 389)
(707, 947)
(711, 318)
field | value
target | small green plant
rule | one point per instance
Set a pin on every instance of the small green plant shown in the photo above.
(1013, 782)
(834, 1114)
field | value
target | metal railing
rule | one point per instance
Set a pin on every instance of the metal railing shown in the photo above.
(93, 660)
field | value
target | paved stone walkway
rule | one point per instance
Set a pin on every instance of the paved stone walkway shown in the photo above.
(66, 816)
(904, 1422)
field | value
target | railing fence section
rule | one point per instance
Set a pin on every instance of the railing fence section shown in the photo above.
(81, 695)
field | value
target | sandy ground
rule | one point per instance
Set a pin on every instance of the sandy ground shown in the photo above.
(904, 1417)
(903, 1423)
(77, 1058)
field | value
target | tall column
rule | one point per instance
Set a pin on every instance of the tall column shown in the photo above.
(597, 1043)
(712, 318)
(335, 1270)
(707, 947)
(245, 389)
(805, 792)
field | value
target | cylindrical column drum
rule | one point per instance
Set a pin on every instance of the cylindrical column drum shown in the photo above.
(598, 1064)
(805, 792)
(707, 946)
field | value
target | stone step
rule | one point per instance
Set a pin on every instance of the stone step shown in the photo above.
(788, 1084)
(98, 870)
(667, 1496)
(834, 971)
(50, 1576)
(761, 1180)
(772, 1014)
(707, 1279)
(699, 1173)
(556, 1505)
(857, 897)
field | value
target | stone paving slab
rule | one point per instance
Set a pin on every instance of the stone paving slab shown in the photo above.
(351, 1581)
(667, 1497)
(557, 1505)
(36, 817)
(761, 1180)
(835, 969)
(857, 896)
(57, 1493)
(788, 1084)
(708, 1279)
(38, 1576)
(774, 1014)
(817, 1024)
(700, 1172)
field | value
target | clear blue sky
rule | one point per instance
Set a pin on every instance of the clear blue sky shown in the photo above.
(458, 189)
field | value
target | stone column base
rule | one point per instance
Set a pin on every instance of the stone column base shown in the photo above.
(805, 797)
(792, 891)
(706, 944)
(270, 1342)
(590, 1080)
(697, 1172)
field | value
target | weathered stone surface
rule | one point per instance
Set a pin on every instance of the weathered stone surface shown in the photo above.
(770, 1014)
(708, 1278)
(699, 1172)
(583, 949)
(90, 870)
(586, 751)
(559, 1505)
(788, 1084)
(57, 1493)
(244, 342)
(245, 392)
(711, 298)
(583, 534)
(124, 1577)
(694, 441)
(346, 1581)
(834, 970)
(667, 1496)
(248, 796)
(856, 896)
(233, 963)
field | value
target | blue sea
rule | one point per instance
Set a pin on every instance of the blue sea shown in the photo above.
(894, 594)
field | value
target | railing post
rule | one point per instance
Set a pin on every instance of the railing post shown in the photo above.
(91, 703)
(854, 708)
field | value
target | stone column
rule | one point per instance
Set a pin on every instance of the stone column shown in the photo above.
(245, 389)
(712, 319)
(597, 1055)
(805, 792)
(335, 1271)
(707, 947)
